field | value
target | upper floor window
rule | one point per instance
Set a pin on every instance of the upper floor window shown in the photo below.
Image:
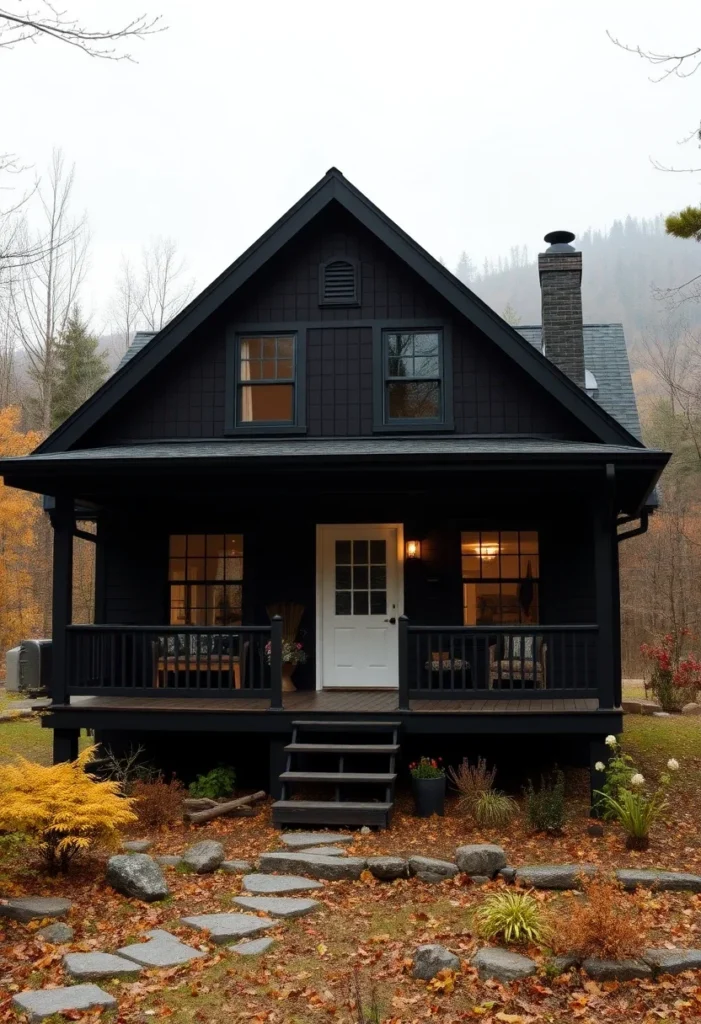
(267, 379)
(413, 366)
(500, 577)
(339, 283)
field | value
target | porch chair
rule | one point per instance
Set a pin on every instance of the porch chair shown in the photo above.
(511, 658)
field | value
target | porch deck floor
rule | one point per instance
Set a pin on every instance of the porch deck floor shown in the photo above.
(335, 702)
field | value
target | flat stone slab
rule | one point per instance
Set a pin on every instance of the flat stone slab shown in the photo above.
(91, 966)
(669, 881)
(236, 867)
(327, 851)
(137, 845)
(673, 961)
(480, 859)
(205, 856)
(253, 948)
(161, 950)
(640, 706)
(492, 962)
(428, 869)
(429, 960)
(388, 868)
(555, 876)
(42, 1003)
(56, 933)
(299, 840)
(278, 906)
(224, 927)
(331, 868)
(33, 908)
(616, 970)
(272, 884)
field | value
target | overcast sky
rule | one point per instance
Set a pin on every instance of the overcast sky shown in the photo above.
(475, 126)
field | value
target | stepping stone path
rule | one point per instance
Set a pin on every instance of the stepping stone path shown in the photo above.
(43, 1003)
(252, 948)
(162, 950)
(480, 859)
(223, 927)
(236, 867)
(137, 845)
(279, 883)
(327, 851)
(299, 840)
(278, 906)
(503, 965)
(204, 857)
(429, 960)
(669, 881)
(555, 876)
(33, 908)
(138, 875)
(428, 869)
(56, 933)
(331, 868)
(91, 966)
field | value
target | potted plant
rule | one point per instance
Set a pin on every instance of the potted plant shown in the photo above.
(292, 651)
(428, 786)
(676, 675)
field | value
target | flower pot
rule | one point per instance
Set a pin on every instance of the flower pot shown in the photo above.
(287, 669)
(429, 796)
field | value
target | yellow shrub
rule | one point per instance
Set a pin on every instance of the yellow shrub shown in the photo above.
(62, 807)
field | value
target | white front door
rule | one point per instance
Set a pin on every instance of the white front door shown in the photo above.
(359, 595)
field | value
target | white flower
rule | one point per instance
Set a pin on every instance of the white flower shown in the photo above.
(637, 779)
(673, 764)
(610, 741)
(600, 766)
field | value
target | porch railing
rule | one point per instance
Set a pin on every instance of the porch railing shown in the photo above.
(497, 662)
(175, 661)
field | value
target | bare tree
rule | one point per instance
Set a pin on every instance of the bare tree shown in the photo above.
(18, 24)
(126, 304)
(165, 289)
(47, 289)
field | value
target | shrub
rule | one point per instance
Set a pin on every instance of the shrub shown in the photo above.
(427, 768)
(512, 917)
(157, 802)
(471, 782)
(622, 798)
(127, 769)
(61, 807)
(494, 809)
(545, 807)
(217, 783)
(599, 924)
(676, 672)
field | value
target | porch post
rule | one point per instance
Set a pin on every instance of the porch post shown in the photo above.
(276, 663)
(65, 745)
(607, 611)
(403, 664)
(62, 608)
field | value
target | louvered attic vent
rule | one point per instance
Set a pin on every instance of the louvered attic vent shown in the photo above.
(338, 283)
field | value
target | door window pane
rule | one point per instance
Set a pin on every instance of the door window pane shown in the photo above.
(361, 577)
(378, 602)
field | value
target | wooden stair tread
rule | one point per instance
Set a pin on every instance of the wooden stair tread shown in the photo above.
(343, 748)
(386, 777)
(351, 726)
(349, 805)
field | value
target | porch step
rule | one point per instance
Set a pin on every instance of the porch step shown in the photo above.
(342, 726)
(387, 778)
(331, 812)
(342, 748)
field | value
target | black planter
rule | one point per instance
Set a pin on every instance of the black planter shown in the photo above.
(429, 796)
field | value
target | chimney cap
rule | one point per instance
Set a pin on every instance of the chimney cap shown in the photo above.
(558, 241)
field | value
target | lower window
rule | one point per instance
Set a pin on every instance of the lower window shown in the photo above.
(205, 574)
(500, 577)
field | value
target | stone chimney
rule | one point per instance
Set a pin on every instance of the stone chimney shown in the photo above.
(560, 270)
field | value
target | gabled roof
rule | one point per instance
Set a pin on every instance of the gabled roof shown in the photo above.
(605, 354)
(140, 339)
(334, 188)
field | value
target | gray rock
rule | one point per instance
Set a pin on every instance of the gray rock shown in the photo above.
(236, 867)
(223, 927)
(640, 707)
(278, 906)
(331, 868)
(480, 879)
(563, 963)
(56, 933)
(428, 869)
(168, 860)
(691, 709)
(388, 868)
(595, 830)
(137, 845)
(365, 830)
(616, 970)
(326, 851)
(299, 840)
(43, 1003)
(33, 908)
(673, 961)
(267, 884)
(669, 881)
(480, 859)
(253, 948)
(661, 714)
(137, 875)
(91, 966)
(508, 874)
(429, 960)
(161, 950)
(492, 962)
(205, 856)
(554, 876)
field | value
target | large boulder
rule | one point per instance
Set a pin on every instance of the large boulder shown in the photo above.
(34, 908)
(616, 970)
(205, 856)
(669, 881)
(137, 875)
(429, 869)
(429, 960)
(502, 964)
(480, 859)
(332, 869)
(388, 868)
(555, 876)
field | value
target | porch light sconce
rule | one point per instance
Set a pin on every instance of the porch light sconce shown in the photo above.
(413, 549)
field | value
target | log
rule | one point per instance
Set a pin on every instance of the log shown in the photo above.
(199, 803)
(197, 817)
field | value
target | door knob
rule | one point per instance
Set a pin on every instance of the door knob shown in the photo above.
(391, 621)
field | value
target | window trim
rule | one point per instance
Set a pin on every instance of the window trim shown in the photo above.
(234, 382)
(340, 303)
(381, 424)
